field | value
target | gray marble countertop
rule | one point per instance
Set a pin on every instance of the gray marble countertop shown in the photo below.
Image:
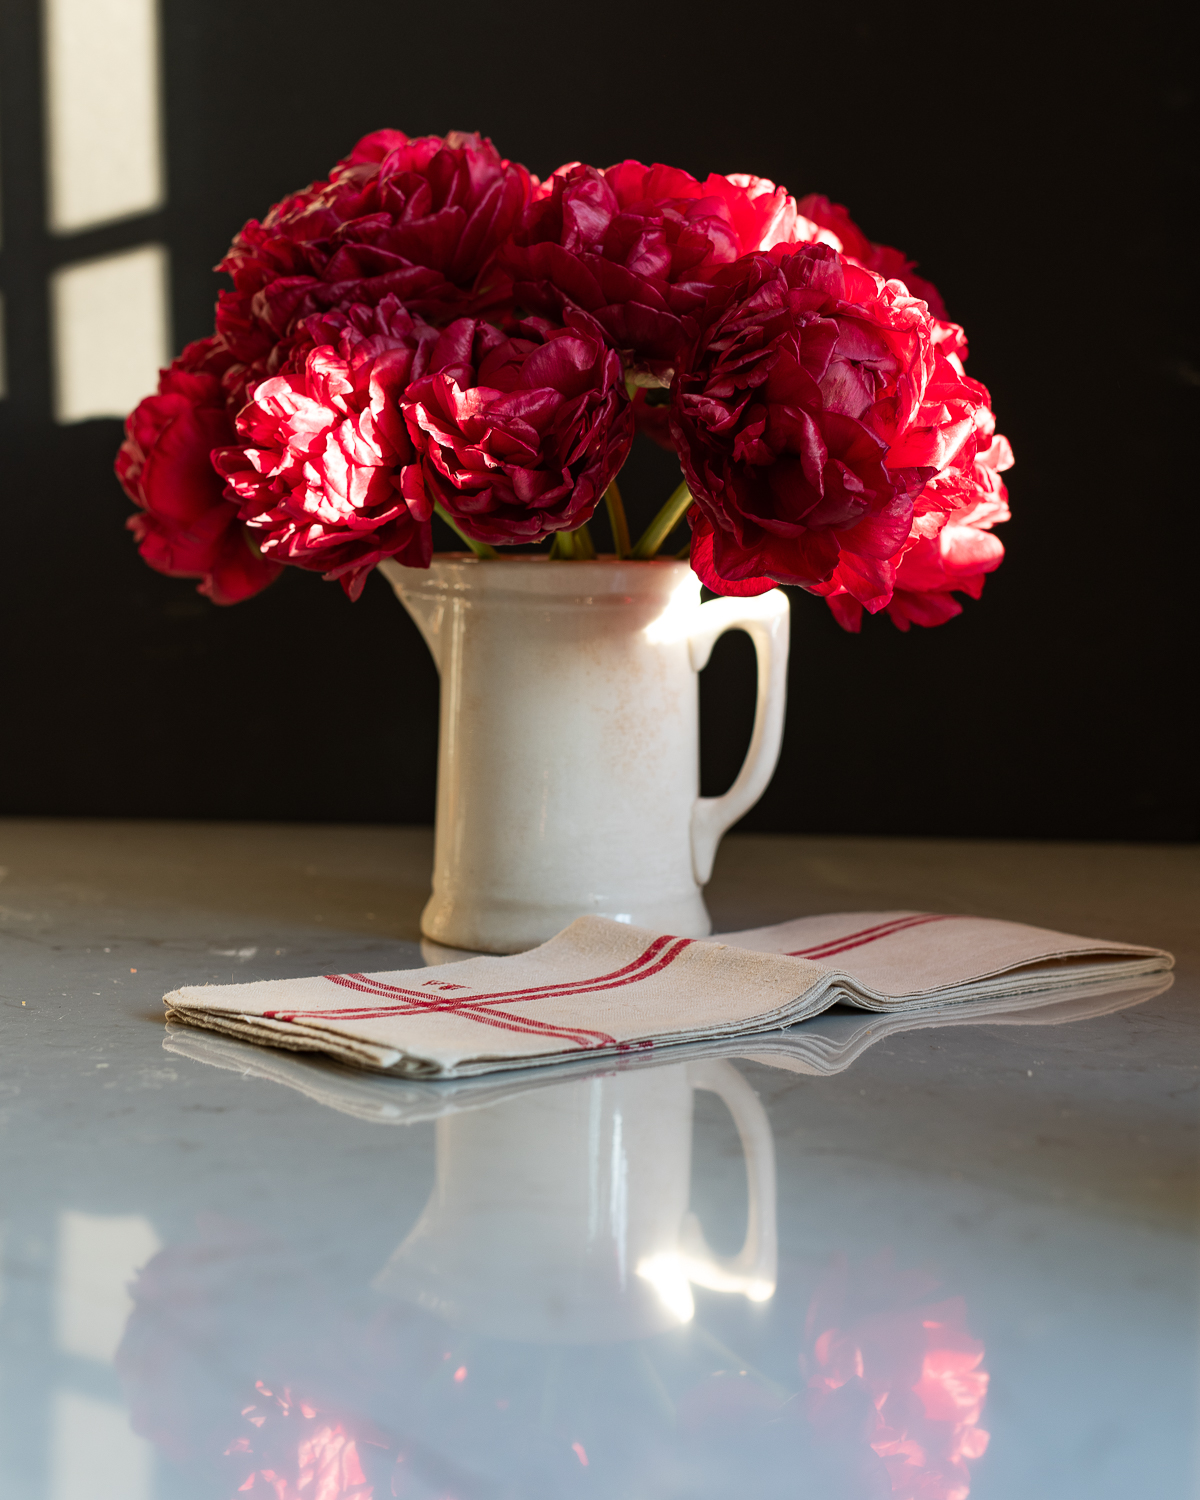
(227, 1271)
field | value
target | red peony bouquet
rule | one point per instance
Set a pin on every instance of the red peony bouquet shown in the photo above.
(433, 330)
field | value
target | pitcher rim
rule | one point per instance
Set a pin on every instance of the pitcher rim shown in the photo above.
(599, 575)
(543, 559)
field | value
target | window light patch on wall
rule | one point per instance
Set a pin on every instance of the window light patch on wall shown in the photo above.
(110, 332)
(103, 111)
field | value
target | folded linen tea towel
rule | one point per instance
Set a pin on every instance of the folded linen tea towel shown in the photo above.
(821, 1047)
(602, 987)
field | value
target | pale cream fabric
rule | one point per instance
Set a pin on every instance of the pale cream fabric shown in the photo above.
(602, 988)
(822, 1047)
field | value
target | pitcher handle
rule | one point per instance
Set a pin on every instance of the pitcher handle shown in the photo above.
(765, 621)
(752, 1271)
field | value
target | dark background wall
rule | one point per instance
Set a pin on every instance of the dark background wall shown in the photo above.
(1035, 161)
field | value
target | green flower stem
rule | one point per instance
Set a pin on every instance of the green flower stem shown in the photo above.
(572, 546)
(480, 549)
(663, 524)
(616, 519)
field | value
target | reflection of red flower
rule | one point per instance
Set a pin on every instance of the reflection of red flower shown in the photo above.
(635, 247)
(323, 447)
(417, 218)
(519, 436)
(174, 1340)
(299, 1453)
(186, 528)
(872, 1333)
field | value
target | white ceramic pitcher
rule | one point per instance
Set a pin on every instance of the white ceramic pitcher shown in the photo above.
(568, 757)
(561, 1216)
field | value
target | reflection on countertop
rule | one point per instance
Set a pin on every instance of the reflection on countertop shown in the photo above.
(558, 1227)
(538, 1321)
(866, 1257)
(561, 1216)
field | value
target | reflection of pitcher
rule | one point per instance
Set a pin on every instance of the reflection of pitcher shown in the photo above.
(562, 1216)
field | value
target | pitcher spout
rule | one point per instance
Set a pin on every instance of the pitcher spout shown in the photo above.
(416, 590)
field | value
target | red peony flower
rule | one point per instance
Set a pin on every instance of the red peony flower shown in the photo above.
(652, 415)
(416, 218)
(874, 1332)
(836, 227)
(518, 436)
(809, 412)
(951, 546)
(319, 469)
(807, 377)
(893, 370)
(186, 527)
(636, 248)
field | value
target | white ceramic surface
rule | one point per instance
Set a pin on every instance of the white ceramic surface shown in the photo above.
(568, 759)
(561, 1216)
